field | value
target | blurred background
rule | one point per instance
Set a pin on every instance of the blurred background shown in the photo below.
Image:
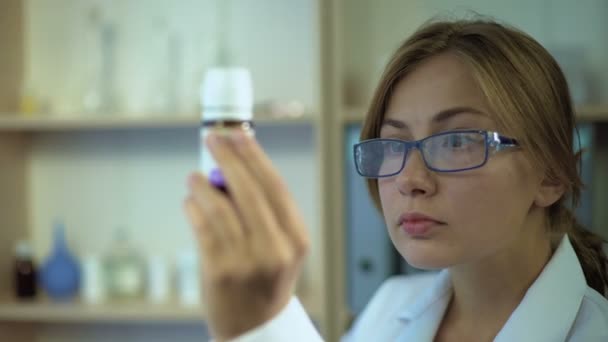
(99, 118)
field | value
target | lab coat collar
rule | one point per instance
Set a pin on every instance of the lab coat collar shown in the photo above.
(549, 308)
(421, 318)
(440, 290)
(546, 313)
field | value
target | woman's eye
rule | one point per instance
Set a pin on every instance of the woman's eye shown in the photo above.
(393, 148)
(463, 141)
(455, 141)
(397, 148)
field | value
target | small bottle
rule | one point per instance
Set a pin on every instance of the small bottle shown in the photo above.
(60, 274)
(26, 279)
(189, 278)
(159, 279)
(93, 288)
(124, 270)
(227, 104)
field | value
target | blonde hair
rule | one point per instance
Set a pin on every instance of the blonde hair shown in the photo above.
(529, 96)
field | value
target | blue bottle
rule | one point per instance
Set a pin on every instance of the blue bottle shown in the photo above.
(60, 273)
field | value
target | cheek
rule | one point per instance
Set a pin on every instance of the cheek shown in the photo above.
(387, 191)
(492, 205)
(472, 201)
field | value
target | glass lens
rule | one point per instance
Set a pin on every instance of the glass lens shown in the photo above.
(455, 151)
(379, 157)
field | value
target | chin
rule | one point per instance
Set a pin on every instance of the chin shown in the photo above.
(425, 257)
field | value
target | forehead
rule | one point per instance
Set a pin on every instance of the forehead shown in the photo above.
(440, 83)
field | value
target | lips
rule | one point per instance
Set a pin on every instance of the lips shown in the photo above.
(418, 224)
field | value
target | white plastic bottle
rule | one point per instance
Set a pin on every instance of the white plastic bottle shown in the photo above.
(94, 288)
(227, 104)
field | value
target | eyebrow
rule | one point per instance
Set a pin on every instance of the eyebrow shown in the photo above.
(442, 116)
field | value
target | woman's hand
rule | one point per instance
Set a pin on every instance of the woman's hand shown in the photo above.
(252, 242)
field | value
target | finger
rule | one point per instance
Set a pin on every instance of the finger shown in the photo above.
(276, 191)
(203, 236)
(245, 191)
(218, 256)
(218, 212)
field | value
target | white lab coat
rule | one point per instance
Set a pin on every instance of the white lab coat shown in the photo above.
(559, 306)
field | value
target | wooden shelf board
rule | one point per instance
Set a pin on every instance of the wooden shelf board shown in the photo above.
(587, 113)
(592, 113)
(354, 115)
(46, 311)
(16, 122)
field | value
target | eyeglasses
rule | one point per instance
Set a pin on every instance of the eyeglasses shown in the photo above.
(451, 151)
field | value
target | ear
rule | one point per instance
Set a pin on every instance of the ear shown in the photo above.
(549, 192)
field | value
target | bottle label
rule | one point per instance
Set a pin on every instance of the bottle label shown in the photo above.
(208, 166)
(207, 162)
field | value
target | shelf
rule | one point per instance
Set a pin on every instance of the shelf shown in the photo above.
(45, 311)
(354, 115)
(593, 113)
(10, 122)
(587, 113)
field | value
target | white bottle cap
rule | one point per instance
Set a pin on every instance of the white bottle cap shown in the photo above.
(23, 250)
(227, 93)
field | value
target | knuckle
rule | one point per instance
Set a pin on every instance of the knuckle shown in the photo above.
(275, 262)
(284, 258)
(302, 245)
(225, 279)
(217, 209)
(281, 188)
(226, 275)
(249, 194)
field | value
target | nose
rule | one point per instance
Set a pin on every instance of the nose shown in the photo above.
(416, 179)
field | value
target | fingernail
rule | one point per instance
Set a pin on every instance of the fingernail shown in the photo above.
(194, 179)
(193, 215)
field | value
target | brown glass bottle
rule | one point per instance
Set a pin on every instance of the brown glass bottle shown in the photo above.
(25, 275)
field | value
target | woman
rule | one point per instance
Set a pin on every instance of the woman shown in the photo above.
(467, 148)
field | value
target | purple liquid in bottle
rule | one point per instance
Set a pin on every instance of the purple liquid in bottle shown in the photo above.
(217, 180)
(208, 165)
